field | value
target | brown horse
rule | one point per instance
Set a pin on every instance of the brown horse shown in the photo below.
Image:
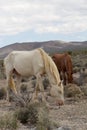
(64, 65)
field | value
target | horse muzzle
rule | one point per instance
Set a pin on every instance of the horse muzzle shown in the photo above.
(59, 102)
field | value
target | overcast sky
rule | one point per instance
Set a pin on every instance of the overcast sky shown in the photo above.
(42, 20)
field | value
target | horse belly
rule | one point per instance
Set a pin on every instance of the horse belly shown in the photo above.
(23, 67)
(24, 71)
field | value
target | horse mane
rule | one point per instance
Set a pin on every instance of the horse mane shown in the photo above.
(50, 65)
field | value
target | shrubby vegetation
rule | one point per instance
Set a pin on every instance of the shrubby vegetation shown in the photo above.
(37, 114)
(8, 122)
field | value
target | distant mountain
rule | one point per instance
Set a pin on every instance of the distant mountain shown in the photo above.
(48, 46)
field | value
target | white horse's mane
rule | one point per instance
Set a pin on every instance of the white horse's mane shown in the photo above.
(50, 65)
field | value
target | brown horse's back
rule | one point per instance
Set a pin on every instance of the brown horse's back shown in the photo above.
(64, 65)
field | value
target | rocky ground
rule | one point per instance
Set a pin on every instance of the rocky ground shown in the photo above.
(73, 114)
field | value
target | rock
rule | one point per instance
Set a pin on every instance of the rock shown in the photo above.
(63, 128)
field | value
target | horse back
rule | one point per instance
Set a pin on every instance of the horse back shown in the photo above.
(24, 62)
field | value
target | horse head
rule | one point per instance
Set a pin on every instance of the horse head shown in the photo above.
(57, 92)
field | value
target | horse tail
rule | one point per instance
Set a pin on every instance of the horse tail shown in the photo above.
(8, 69)
(50, 66)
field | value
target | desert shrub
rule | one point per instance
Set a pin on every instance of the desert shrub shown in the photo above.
(36, 114)
(72, 90)
(24, 79)
(85, 65)
(22, 115)
(8, 122)
(23, 87)
(2, 93)
(76, 69)
(27, 114)
(45, 82)
(2, 75)
(43, 121)
(84, 89)
(33, 83)
(33, 111)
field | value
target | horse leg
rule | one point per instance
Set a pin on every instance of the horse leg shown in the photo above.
(18, 80)
(36, 90)
(68, 78)
(11, 84)
(60, 73)
(64, 78)
(39, 87)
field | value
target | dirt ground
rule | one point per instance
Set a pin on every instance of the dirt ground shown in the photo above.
(73, 114)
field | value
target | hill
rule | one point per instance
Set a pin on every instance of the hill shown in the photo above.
(48, 46)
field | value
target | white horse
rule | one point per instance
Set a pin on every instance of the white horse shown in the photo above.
(36, 62)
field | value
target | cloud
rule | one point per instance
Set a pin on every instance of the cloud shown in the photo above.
(48, 16)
